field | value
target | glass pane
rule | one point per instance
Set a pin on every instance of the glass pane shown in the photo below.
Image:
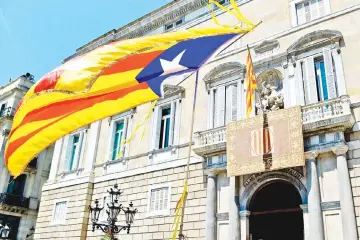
(161, 133)
(76, 139)
(165, 112)
(119, 126)
(167, 133)
(73, 153)
(115, 147)
(323, 81)
(307, 11)
(178, 22)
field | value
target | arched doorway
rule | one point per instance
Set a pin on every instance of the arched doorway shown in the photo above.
(276, 213)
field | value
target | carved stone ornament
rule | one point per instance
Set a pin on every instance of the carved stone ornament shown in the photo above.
(172, 90)
(271, 97)
(311, 155)
(340, 150)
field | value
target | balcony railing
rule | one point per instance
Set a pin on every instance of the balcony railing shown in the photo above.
(334, 113)
(14, 200)
(331, 114)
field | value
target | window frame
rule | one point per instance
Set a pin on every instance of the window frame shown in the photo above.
(212, 100)
(121, 134)
(79, 151)
(126, 118)
(174, 103)
(174, 24)
(294, 15)
(164, 212)
(62, 222)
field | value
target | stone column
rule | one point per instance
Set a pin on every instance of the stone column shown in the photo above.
(304, 207)
(346, 197)
(244, 225)
(210, 228)
(234, 220)
(314, 198)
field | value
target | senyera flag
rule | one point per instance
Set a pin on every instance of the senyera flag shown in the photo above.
(106, 81)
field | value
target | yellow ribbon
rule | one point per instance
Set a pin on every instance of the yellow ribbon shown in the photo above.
(179, 206)
(235, 12)
(125, 141)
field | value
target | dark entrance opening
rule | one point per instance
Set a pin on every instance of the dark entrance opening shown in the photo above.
(276, 213)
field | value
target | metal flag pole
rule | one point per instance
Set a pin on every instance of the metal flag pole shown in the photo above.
(181, 235)
(181, 228)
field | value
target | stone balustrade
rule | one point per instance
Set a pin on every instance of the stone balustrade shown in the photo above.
(331, 114)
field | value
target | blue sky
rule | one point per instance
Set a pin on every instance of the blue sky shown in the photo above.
(36, 35)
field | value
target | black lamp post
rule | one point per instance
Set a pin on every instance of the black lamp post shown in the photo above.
(4, 231)
(114, 209)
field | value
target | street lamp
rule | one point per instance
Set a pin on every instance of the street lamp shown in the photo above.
(4, 231)
(114, 209)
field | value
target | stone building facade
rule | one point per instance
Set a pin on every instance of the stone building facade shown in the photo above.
(304, 50)
(19, 198)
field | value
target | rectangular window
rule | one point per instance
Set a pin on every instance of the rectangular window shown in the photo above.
(225, 105)
(319, 77)
(59, 212)
(75, 149)
(165, 127)
(159, 202)
(309, 10)
(174, 24)
(118, 138)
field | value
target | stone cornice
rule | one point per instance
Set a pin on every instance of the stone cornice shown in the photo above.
(147, 23)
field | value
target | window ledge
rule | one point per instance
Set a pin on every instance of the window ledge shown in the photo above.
(65, 173)
(157, 214)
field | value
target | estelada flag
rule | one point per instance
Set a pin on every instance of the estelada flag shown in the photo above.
(106, 81)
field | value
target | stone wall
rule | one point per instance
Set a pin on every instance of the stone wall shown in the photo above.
(354, 170)
(136, 189)
(78, 197)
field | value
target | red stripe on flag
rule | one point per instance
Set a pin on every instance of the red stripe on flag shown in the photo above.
(61, 107)
(132, 62)
(48, 81)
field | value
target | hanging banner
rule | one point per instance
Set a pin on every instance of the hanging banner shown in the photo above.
(266, 142)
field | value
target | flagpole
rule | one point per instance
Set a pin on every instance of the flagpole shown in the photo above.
(181, 235)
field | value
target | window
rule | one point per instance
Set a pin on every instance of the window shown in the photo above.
(16, 186)
(159, 200)
(118, 138)
(309, 10)
(224, 105)
(59, 212)
(322, 138)
(75, 142)
(165, 128)
(164, 118)
(319, 77)
(174, 24)
(2, 109)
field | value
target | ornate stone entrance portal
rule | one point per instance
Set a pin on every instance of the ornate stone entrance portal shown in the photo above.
(275, 212)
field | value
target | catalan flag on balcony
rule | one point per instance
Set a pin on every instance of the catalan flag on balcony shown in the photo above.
(250, 85)
(104, 82)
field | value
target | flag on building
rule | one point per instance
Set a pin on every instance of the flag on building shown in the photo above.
(250, 85)
(109, 80)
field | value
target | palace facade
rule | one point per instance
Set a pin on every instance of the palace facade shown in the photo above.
(305, 53)
(20, 197)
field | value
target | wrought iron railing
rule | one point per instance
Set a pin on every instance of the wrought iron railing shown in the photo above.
(14, 200)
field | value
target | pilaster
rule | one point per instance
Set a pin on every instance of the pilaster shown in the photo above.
(211, 202)
(314, 198)
(244, 225)
(234, 221)
(346, 197)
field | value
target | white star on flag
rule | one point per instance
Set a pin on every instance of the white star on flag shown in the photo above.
(172, 66)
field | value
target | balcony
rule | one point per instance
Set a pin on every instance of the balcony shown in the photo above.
(14, 200)
(331, 115)
(7, 113)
